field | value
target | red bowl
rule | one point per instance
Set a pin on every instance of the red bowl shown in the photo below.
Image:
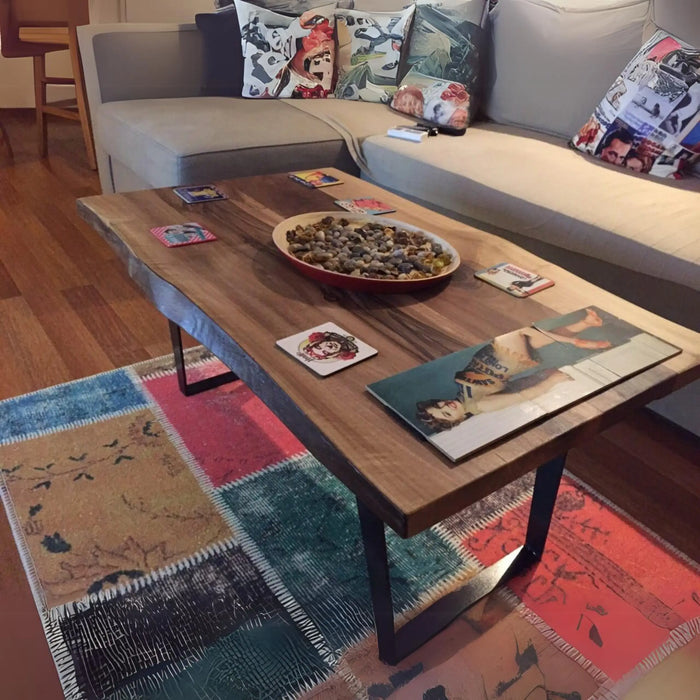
(360, 284)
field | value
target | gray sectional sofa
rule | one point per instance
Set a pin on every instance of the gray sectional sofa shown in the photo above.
(512, 173)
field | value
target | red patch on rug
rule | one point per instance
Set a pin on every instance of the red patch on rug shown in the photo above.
(604, 585)
(228, 430)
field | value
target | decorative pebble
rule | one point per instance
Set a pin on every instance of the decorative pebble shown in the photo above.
(372, 250)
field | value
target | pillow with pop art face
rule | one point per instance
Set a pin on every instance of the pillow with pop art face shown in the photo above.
(649, 120)
(286, 56)
(444, 56)
(290, 7)
(369, 52)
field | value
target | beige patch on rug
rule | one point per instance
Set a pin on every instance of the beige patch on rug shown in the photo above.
(491, 652)
(106, 503)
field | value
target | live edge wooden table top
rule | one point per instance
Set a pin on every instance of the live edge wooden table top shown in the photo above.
(238, 295)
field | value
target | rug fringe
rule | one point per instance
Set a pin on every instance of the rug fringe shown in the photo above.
(551, 636)
(270, 576)
(54, 636)
(66, 610)
(639, 525)
(188, 458)
(203, 354)
(486, 520)
(206, 358)
(678, 638)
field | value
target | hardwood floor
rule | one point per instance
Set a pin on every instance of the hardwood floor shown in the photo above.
(68, 310)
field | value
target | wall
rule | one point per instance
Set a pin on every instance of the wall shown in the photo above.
(16, 74)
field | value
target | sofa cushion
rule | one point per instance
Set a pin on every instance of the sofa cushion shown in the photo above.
(286, 56)
(539, 187)
(292, 7)
(444, 56)
(648, 119)
(678, 17)
(369, 53)
(553, 60)
(192, 140)
(223, 59)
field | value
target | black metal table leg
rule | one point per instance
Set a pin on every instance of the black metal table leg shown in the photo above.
(190, 388)
(394, 644)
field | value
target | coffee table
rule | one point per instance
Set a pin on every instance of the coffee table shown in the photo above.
(238, 295)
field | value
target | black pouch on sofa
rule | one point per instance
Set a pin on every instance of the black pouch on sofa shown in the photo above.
(223, 56)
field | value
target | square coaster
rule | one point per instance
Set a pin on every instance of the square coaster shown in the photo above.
(199, 193)
(326, 349)
(314, 178)
(514, 279)
(365, 205)
(182, 234)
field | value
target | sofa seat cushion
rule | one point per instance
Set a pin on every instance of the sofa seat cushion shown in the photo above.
(537, 186)
(195, 139)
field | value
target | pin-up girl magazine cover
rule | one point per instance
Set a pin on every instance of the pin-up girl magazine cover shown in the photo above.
(471, 398)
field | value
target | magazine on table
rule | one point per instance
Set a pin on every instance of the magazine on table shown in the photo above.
(465, 401)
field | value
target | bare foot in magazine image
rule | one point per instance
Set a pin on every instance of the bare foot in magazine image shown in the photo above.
(489, 381)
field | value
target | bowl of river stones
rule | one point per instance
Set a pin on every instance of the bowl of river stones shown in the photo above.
(364, 253)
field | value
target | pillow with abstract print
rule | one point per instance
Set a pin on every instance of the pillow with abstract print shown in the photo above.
(444, 60)
(291, 7)
(286, 56)
(369, 52)
(649, 120)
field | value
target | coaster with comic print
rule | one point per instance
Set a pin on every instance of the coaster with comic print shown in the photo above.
(326, 349)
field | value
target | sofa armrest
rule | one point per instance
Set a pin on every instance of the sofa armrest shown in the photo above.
(137, 61)
(140, 61)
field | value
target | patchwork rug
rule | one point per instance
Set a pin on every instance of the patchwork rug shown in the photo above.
(191, 548)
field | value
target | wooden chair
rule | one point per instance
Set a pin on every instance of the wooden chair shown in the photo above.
(35, 28)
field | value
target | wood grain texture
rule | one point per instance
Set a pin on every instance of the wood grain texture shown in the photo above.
(244, 285)
(50, 188)
(47, 252)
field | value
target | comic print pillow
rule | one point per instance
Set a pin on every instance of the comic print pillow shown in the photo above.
(444, 59)
(369, 52)
(286, 56)
(649, 120)
(290, 7)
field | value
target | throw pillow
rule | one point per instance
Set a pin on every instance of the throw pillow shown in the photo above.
(649, 120)
(444, 57)
(223, 60)
(545, 73)
(369, 52)
(286, 56)
(292, 7)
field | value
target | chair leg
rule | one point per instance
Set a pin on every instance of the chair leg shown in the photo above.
(40, 100)
(5, 142)
(81, 98)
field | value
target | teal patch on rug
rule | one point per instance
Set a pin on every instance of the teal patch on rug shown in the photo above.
(210, 626)
(262, 661)
(304, 522)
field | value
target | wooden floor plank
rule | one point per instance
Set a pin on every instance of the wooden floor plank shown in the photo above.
(30, 359)
(36, 354)
(113, 335)
(8, 288)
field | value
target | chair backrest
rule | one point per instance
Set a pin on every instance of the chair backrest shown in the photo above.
(47, 13)
(37, 13)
